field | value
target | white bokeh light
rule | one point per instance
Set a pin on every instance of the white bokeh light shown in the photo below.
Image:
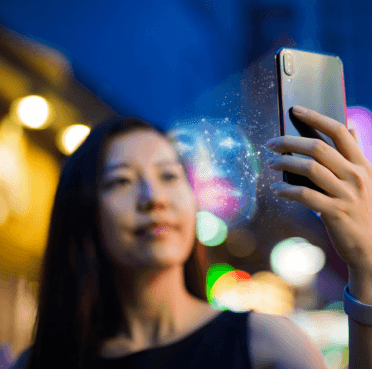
(33, 111)
(296, 261)
(72, 137)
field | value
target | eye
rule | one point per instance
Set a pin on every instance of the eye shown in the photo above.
(117, 182)
(169, 177)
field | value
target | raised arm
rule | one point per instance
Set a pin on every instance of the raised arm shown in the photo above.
(346, 211)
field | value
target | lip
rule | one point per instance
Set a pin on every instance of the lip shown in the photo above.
(156, 229)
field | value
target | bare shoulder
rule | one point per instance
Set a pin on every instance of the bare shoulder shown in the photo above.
(276, 342)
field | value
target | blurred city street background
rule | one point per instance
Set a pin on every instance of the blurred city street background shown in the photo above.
(204, 71)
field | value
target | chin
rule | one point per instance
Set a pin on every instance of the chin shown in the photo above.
(175, 253)
(163, 252)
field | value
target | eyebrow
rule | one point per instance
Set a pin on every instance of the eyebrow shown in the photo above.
(111, 167)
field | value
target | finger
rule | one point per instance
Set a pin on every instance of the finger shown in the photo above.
(336, 131)
(311, 199)
(317, 173)
(353, 133)
(324, 154)
(368, 163)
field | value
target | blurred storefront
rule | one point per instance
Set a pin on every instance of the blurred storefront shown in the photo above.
(39, 100)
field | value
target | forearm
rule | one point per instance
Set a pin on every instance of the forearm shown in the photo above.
(360, 335)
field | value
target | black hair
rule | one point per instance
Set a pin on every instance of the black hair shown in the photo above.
(78, 306)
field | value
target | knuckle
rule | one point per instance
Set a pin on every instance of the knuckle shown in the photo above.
(312, 168)
(339, 211)
(341, 131)
(352, 198)
(359, 177)
(362, 181)
(318, 148)
(283, 141)
(302, 192)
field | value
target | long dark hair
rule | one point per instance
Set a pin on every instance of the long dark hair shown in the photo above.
(78, 306)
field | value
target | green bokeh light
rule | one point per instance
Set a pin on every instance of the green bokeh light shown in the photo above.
(337, 306)
(213, 274)
(337, 356)
(211, 230)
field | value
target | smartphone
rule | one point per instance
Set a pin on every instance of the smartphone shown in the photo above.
(312, 80)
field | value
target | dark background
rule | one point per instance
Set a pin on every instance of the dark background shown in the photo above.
(168, 60)
(153, 59)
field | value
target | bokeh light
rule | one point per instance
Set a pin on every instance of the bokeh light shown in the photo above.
(4, 210)
(231, 291)
(33, 112)
(360, 119)
(14, 180)
(329, 331)
(296, 261)
(336, 357)
(72, 137)
(213, 274)
(211, 230)
(237, 291)
(241, 243)
(272, 295)
(335, 306)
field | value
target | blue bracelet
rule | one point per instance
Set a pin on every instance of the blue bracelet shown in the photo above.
(357, 310)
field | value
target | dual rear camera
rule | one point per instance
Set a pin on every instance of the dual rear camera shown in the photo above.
(288, 63)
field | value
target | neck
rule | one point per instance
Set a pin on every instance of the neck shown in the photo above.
(154, 303)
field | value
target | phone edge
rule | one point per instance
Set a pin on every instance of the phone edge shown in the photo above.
(280, 101)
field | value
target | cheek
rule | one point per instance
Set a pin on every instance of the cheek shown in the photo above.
(111, 220)
(188, 211)
(115, 213)
(118, 207)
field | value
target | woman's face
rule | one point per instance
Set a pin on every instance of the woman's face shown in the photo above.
(147, 211)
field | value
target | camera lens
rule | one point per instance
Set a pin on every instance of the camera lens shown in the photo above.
(288, 64)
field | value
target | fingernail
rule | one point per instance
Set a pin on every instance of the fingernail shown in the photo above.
(276, 187)
(299, 110)
(272, 143)
(270, 161)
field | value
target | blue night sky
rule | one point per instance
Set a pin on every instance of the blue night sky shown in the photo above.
(155, 59)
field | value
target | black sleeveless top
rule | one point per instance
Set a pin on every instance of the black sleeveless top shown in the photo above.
(221, 343)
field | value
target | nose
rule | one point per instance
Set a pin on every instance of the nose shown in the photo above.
(151, 197)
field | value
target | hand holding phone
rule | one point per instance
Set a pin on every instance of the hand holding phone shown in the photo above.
(341, 170)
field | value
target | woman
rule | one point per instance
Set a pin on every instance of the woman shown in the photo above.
(123, 273)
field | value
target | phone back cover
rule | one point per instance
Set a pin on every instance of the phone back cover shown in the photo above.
(317, 83)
